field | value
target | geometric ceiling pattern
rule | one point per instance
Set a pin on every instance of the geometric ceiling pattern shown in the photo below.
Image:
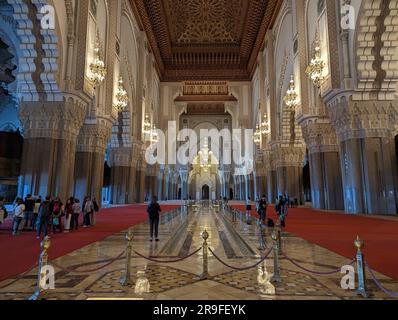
(194, 40)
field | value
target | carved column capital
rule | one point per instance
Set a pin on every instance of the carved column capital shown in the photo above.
(363, 119)
(55, 120)
(319, 135)
(95, 136)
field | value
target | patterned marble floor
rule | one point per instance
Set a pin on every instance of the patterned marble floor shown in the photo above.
(88, 274)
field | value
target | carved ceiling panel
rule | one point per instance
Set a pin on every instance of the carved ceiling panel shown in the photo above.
(195, 40)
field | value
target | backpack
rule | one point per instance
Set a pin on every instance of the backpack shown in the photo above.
(56, 207)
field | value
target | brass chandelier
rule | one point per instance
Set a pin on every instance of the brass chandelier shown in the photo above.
(291, 94)
(315, 69)
(257, 135)
(122, 98)
(97, 65)
(147, 125)
(265, 125)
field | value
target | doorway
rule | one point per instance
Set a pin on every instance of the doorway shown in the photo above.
(205, 192)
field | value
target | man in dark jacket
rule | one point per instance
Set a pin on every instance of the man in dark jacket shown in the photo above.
(262, 209)
(29, 209)
(43, 217)
(153, 213)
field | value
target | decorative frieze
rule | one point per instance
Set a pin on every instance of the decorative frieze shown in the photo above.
(286, 155)
(319, 135)
(363, 119)
(55, 120)
(94, 137)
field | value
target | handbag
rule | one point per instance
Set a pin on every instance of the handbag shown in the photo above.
(55, 221)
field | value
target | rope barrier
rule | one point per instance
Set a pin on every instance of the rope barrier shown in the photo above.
(109, 262)
(170, 261)
(244, 268)
(19, 277)
(379, 285)
(312, 271)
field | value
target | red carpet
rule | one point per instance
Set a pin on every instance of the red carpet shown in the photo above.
(337, 232)
(19, 254)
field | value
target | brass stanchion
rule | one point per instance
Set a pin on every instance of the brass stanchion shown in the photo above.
(278, 228)
(361, 271)
(276, 276)
(41, 291)
(126, 279)
(262, 235)
(205, 273)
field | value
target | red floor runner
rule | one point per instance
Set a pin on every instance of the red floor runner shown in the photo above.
(337, 233)
(19, 254)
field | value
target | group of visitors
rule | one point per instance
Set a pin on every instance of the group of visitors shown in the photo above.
(281, 209)
(50, 215)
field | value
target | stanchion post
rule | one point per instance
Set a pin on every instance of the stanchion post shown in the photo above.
(276, 276)
(41, 292)
(361, 270)
(278, 228)
(126, 279)
(205, 273)
(262, 244)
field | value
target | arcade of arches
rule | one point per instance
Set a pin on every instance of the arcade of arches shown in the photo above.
(334, 148)
(88, 86)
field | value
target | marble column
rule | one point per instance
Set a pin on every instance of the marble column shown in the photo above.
(123, 174)
(367, 153)
(272, 193)
(324, 162)
(141, 182)
(369, 175)
(48, 158)
(90, 159)
(184, 183)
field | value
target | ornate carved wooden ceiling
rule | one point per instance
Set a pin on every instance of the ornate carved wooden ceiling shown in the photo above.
(206, 39)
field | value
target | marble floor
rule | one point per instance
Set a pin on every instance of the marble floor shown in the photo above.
(92, 272)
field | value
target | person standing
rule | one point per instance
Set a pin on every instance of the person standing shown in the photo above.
(262, 209)
(248, 210)
(19, 211)
(29, 209)
(87, 211)
(57, 215)
(43, 218)
(76, 213)
(68, 214)
(154, 215)
(95, 211)
(3, 211)
(36, 213)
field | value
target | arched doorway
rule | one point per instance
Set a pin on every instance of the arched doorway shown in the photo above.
(205, 192)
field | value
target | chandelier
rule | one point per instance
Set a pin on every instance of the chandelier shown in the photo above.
(205, 155)
(257, 135)
(291, 94)
(316, 66)
(147, 125)
(265, 127)
(97, 65)
(122, 98)
(154, 135)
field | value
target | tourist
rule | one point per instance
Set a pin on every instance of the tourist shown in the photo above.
(95, 211)
(87, 212)
(43, 218)
(36, 213)
(68, 214)
(29, 209)
(56, 209)
(154, 214)
(19, 211)
(248, 210)
(262, 209)
(3, 211)
(76, 212)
